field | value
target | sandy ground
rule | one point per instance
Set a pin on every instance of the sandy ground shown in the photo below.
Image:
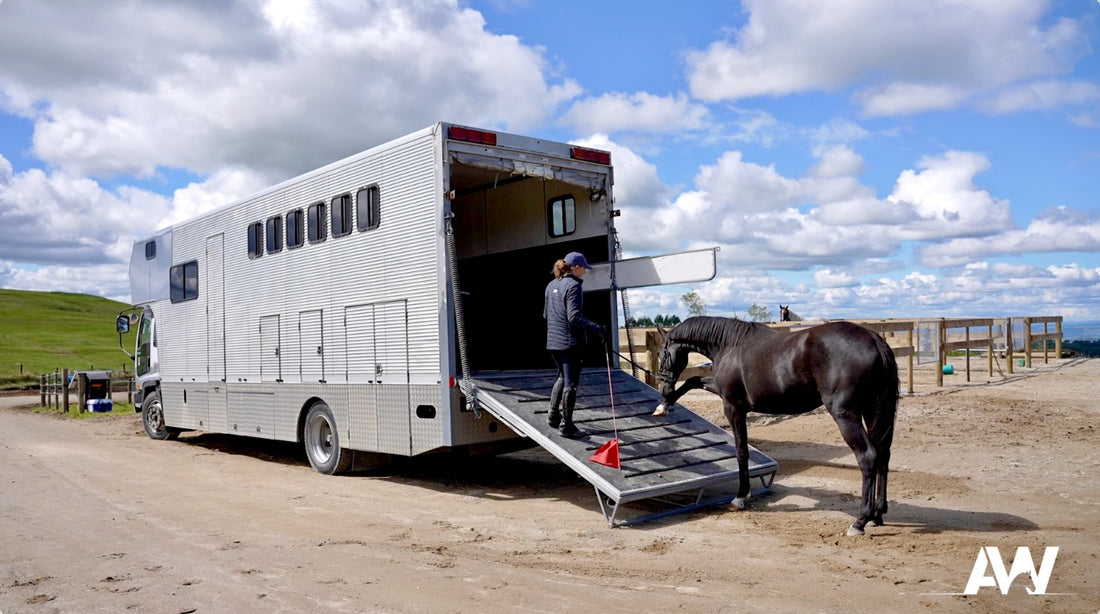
(96, 517)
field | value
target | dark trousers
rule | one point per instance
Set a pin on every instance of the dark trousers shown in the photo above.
(569, 378)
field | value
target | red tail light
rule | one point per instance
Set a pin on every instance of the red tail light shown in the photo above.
(591, 155)
(472, 136)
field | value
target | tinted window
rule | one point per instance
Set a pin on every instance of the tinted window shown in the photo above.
(150, 250)
(341, 215)
(316, 222)
(255, 240)
(367, 208)
(183, 281)
(274, 234)
(294, 227)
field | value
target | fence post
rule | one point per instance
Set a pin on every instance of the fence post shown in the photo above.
(1008, 344)
(42, 388)
(130, 390)
(652, 348)
(942, 352)
(967, 352)
(912, 350)
(1058, 339)
(65, 389)
(989, 336)
(1027, 341)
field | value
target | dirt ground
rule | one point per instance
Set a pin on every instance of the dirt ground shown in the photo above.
(96, 517)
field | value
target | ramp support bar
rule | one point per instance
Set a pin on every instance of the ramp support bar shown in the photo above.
(610, 507)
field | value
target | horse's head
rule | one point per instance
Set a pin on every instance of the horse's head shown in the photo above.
(784, 313)
(672, 361)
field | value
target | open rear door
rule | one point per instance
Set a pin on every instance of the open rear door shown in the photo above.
(666, 269)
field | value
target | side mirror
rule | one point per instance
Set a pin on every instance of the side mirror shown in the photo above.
(122, 324)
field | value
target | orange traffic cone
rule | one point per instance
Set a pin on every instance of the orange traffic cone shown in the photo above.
(608, 454)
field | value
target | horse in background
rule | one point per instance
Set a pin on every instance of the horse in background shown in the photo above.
(786, 315)
(843, 366)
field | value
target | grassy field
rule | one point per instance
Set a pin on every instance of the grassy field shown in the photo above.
(45, 331)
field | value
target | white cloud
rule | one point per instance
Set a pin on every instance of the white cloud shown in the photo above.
(1056, 230)
(639, 112)
(1050, 94)
(176, 85)
(928, 55)
(945, 202)
(70, 233)
(906, 98)
(827, 278)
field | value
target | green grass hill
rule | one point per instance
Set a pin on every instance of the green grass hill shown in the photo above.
(41, 332)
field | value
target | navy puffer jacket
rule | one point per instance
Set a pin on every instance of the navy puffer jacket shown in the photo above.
(565, 322)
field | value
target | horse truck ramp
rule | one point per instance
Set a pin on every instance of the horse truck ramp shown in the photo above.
(674, 464)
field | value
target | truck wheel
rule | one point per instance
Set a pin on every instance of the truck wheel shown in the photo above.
(322, 441)
(152, 418)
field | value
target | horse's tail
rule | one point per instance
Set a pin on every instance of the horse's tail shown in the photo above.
(881, 428)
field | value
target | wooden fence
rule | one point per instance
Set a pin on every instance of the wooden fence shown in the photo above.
(986, 336)
(54, 389)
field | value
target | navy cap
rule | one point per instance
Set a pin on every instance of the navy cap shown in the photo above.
(576, 259)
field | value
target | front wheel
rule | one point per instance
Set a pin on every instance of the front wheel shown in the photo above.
(322, 441)
(152, 418)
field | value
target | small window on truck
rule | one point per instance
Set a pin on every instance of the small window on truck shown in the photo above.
(294, 228)
(367, 208)
(255, 240)
(150, 250)
(183, 280)
(316, 222)
(274, 234)
(341, 215)
(562, 215)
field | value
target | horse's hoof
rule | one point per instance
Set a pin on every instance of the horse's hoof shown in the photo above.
(661, 411)
(854, 531)
(738, 504)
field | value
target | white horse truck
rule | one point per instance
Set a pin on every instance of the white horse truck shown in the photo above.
(381, 305)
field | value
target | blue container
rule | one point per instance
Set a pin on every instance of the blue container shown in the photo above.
(948, 369)
(100, 405)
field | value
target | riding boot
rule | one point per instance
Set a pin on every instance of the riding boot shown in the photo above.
(568, 429)
(554, 416)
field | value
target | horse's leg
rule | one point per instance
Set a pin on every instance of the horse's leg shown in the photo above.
(882, 471)
(851, 429)
(737, 419)
(691, 383)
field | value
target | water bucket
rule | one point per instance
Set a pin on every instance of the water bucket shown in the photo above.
(1022, 362)
(948, 369)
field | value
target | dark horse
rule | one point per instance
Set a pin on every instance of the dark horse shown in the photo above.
(841, 365)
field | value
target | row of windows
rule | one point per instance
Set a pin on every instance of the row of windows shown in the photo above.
(309, 225)
(184, 278)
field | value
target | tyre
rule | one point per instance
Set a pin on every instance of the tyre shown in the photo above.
(152, 418)
(322, 441)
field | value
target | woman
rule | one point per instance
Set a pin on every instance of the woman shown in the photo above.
(566, 329)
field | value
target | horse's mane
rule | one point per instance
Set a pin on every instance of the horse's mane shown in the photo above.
(709, 332)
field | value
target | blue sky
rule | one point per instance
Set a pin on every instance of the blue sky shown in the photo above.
(856, 159)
